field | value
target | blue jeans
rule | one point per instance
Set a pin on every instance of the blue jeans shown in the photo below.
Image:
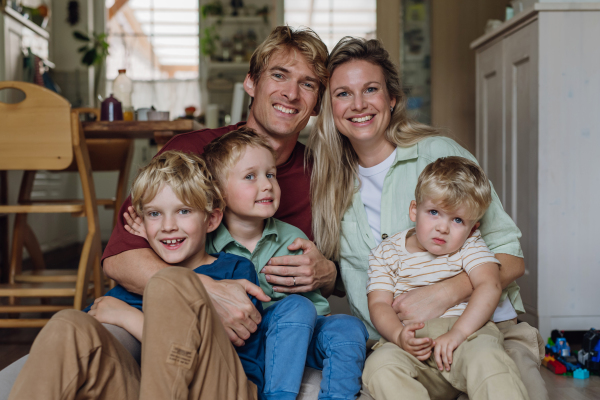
(295, 337)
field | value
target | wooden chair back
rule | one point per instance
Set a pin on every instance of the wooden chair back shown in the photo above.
(43, 123)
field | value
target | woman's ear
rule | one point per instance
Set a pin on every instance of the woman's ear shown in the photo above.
(214, 220)
(412, 211)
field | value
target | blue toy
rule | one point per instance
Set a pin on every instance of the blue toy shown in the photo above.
(581, 374)
(561, 347)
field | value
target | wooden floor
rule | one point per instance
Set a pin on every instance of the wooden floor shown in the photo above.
(15, 343)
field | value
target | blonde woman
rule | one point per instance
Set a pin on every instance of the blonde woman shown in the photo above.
(367, 155)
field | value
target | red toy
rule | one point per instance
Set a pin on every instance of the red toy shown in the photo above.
(557, 367)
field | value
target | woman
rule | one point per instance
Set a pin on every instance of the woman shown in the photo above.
(363, 123)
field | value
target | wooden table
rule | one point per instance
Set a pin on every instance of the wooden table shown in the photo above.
(160, 131)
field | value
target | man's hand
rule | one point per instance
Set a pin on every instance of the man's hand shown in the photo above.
(302, 273)
(237, 313)
(428, 302)
(420, 348)
(445, 346)
(135, 224)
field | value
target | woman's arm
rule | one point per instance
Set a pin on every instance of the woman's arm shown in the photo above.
(423, 304)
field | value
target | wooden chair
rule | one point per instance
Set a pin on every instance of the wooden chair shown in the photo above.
(43, 133)
(105, 155)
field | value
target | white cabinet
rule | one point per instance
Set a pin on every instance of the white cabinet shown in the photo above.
(538, 139)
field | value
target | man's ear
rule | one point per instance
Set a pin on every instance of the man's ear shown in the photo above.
(316, 110)
(477, 224)
(412, 211)
(249, 85)
(214, 220)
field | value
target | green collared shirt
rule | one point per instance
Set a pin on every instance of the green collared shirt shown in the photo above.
(276, 237)
(497, 228)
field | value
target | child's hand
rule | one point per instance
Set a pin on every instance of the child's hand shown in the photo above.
(110, 310)
(420, 348)
(134, 224)
(445, 346)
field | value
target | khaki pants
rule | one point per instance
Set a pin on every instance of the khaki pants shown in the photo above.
(480, 368)
(186, 353)
(525, 346)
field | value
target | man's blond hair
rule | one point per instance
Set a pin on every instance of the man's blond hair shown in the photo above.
(222, 153)
(285, 38)
(186, 174)
(455, 182)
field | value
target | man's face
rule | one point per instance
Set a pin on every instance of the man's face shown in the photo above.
(285, 96)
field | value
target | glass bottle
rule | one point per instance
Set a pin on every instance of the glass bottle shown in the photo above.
(122, 90)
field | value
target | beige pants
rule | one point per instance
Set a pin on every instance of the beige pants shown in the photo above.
(525, 346)
(480, 368)
(185, 354)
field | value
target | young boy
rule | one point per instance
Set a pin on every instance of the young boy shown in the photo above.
(185, 350)
(294, 335)
(462, 350)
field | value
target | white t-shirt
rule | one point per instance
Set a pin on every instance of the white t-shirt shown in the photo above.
(370, 192)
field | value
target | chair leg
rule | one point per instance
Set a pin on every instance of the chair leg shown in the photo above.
(16, 254)
(33, 247)
(98, 277)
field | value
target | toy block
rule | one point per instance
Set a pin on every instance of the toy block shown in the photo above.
(581, 374)
(557, 367)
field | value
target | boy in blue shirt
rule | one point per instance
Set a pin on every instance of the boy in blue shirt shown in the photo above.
(243, 165)
(186, 352)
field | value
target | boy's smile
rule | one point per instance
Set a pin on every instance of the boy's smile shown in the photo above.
(176, 232)
(438, 230)
(252, 191)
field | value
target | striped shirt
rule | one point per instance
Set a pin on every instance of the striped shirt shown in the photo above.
(392, 268)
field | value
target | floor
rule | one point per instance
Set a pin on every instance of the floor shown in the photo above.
(15, 343)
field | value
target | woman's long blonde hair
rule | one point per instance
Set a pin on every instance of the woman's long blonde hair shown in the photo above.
(335, 163)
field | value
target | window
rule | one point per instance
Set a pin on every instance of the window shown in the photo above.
(333, 19)
(153, 39)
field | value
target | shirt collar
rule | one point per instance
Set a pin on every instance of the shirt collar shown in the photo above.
(406, 153)
(222, 237)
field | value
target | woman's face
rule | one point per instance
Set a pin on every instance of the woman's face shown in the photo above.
(360, 102)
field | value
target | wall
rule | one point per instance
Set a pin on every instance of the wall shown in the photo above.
(388, 27)
(456, 23)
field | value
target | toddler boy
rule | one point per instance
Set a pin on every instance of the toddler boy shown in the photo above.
(462, 350)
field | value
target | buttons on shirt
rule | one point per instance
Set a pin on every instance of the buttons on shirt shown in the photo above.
(384, 236)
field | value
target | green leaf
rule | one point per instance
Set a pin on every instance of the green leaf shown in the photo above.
(81, 36)
(89, 57)
(82, 48)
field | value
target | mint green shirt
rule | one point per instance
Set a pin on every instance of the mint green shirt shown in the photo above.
(497, 228)
(276, 237)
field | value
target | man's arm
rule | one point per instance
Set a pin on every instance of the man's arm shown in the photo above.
(423, 304)
(311, 270)
(133, 269)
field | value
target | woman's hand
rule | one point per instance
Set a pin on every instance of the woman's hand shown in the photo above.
(110, 310)
(135, 224)
(302, 273)
(420, 348)
(445, 346)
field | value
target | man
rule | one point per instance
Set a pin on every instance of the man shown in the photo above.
(286, 81)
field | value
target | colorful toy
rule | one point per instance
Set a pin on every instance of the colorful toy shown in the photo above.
(581, 374)
(589, 355)
(557, 367)
(561, 347)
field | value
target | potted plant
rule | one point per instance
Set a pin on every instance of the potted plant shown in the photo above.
(94, 53)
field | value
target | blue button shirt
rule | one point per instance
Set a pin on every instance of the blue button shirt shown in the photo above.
(226, 266)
